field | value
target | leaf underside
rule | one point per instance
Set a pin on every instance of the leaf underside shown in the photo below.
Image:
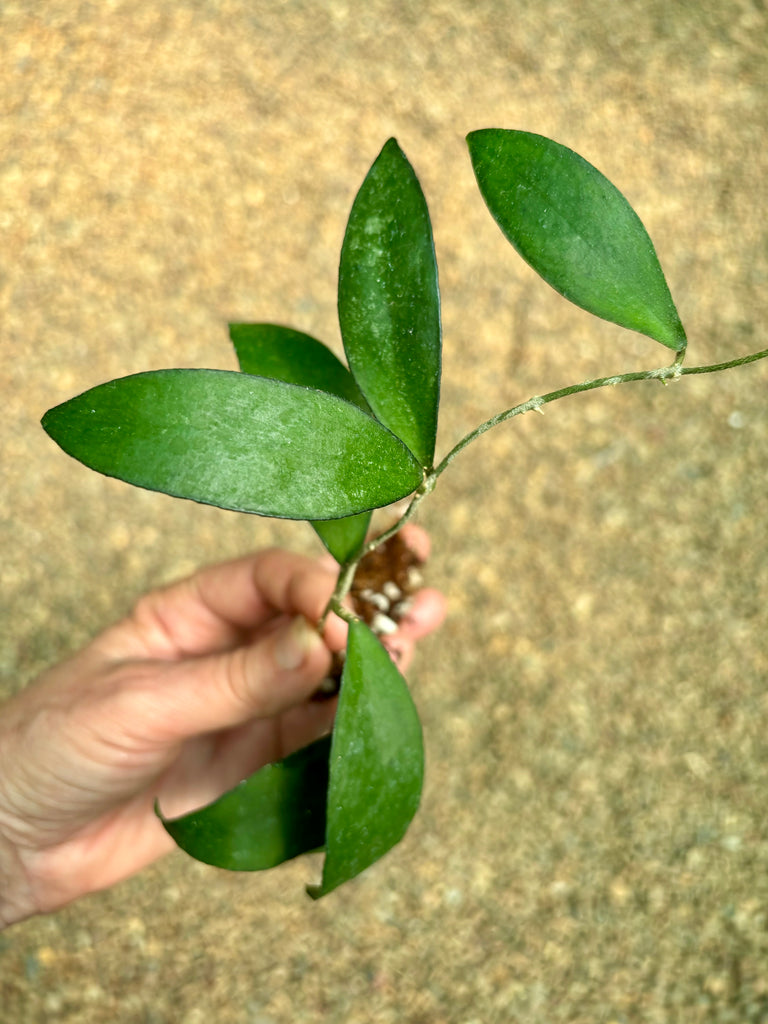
(389, 304)
(240, 442)
(576, 230)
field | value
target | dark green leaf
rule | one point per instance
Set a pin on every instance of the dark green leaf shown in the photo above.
(377, 762)
(576, 230)
(343, 537)
(276, 814)
(240, 442)
(389, 306)
(269, 350)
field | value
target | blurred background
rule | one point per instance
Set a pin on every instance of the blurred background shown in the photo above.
(592, 844)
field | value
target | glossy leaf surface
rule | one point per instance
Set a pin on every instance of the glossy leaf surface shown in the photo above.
(376, 765)
(270, 350)
(276, 814)
(576, 230)
(236, 441)
(389, 306)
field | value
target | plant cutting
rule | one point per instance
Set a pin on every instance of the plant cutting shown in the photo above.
(297, 434)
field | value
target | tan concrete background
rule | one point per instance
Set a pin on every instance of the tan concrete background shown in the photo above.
(593, 844)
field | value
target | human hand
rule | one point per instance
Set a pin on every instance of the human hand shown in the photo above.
(206, 681)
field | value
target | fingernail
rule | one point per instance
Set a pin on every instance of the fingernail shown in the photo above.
(294, 643)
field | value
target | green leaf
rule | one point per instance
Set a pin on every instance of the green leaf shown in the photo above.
(343, 538)
(269, 350)
(276, 814)
(576, 230)
(240, 442)
(389, 305)
(377, 762)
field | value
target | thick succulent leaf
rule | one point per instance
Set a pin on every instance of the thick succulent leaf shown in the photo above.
(389, 305)
(376, 765)
(576, 230)
(276, 814)
(270, 350)
(236, 441)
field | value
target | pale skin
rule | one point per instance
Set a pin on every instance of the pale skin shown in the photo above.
(204, 682)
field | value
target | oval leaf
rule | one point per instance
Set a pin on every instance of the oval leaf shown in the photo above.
(240, 442)
(276, 814)
(389, 305)
(270, 350)
(576, 230)
(376, 765)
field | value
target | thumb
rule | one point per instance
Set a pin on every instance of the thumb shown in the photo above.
(278, 671)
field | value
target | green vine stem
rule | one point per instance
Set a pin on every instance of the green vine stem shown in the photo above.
(348, 570)
(340, 591)
(426, 488)
(665, 374)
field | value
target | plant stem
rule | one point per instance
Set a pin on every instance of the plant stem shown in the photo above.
(340, 591)
(347, 571)
(716, 367)
(425, 489)
(664, 374)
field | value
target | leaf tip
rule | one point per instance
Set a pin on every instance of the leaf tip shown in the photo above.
(670, 333)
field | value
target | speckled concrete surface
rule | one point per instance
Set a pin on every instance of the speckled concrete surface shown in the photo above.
(593, 844)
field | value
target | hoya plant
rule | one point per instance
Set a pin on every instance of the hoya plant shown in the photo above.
(296, 434)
